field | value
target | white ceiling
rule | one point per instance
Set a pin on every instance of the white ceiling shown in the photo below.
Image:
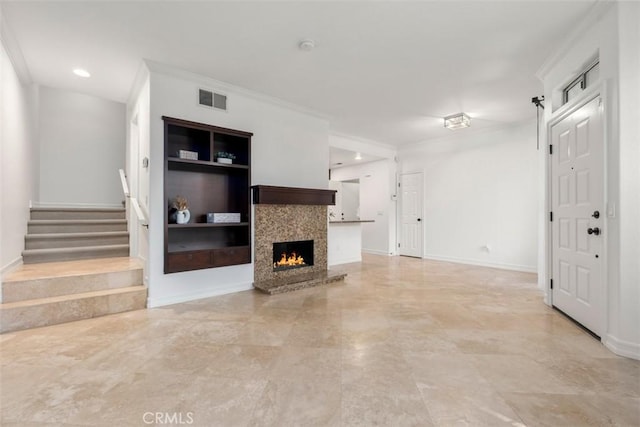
(340, 158)
(384, 71)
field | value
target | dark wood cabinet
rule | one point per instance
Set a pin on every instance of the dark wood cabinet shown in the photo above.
(192, 171)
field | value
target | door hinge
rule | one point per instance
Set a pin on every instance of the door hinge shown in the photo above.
(398, 184)
(551, 216)
(551, 283)
(550, 149)
(398, 244)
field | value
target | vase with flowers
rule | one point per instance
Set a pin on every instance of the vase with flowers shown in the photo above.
(179, 212)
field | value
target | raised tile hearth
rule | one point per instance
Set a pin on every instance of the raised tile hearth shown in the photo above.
(284, 214)
(298, 281)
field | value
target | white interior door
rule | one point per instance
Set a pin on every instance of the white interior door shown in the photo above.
(411, 214)
(577, 195)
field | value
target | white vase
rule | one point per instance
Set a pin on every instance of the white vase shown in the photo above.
(183, 217)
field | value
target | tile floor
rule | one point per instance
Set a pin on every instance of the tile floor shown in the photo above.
(401, 342)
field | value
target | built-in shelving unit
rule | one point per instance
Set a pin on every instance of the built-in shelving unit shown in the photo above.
(209, 187)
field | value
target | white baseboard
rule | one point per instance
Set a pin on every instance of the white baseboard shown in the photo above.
(8, 268)
(502, 266)
(375, 252)
(622, 348)
(77, 205)
(176, 299)
(345, 261)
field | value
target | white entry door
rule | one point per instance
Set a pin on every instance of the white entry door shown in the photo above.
(411, 214)
(577, 194)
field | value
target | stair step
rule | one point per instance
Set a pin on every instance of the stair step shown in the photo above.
(77, 213)
(35, 313)
(68, 240)
(36, 287)
(46, 226)
(30, 256)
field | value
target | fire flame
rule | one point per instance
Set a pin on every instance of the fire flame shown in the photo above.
(289, 261)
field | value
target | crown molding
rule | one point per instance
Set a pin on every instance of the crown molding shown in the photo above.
(14, 52)
(211, 83)
(593, 16)
(466, 134)
(362, 140)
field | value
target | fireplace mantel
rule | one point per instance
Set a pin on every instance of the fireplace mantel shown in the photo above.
(272, 195)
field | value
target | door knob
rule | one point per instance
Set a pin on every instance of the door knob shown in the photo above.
(596, 214)
(419, 219)
(594, 230)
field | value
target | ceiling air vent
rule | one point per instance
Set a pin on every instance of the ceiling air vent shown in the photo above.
(210, 99)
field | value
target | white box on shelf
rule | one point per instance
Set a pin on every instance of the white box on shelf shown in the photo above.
(223, 217)
(189, 155)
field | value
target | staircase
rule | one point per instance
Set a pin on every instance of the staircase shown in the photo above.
(63, 234)
(51, 293)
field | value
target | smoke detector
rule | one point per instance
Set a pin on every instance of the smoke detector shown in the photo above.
(306, 45)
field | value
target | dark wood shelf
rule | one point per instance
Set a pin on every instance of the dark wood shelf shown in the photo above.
(201, 246)
(209, 224)
(206, 163)
(208, 186)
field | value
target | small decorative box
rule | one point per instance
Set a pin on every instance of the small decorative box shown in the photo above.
(189, 155)
(223, 217)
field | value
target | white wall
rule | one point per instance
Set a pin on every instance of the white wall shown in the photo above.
(289, 148)
(479, 190)
(377, 184)
(628, 329)
(611, 32)
(82, 143)
(18, 159)
(138, 177)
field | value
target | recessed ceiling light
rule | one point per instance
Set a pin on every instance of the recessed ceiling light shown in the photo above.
(81, 73)
(306, 45)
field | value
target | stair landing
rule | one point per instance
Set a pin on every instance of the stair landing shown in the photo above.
(72, 268)
(45, 294)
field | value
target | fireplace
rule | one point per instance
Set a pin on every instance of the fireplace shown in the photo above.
(289, 220)
(288, 255)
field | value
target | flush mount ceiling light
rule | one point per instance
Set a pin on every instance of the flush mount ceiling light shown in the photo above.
(81, 73)
(306, 45)
(457, 121)
(358, 156)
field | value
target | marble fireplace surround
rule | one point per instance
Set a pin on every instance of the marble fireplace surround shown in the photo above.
(285, 214)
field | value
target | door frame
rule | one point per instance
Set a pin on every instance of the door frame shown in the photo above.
(598, 90)
(399, 212)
